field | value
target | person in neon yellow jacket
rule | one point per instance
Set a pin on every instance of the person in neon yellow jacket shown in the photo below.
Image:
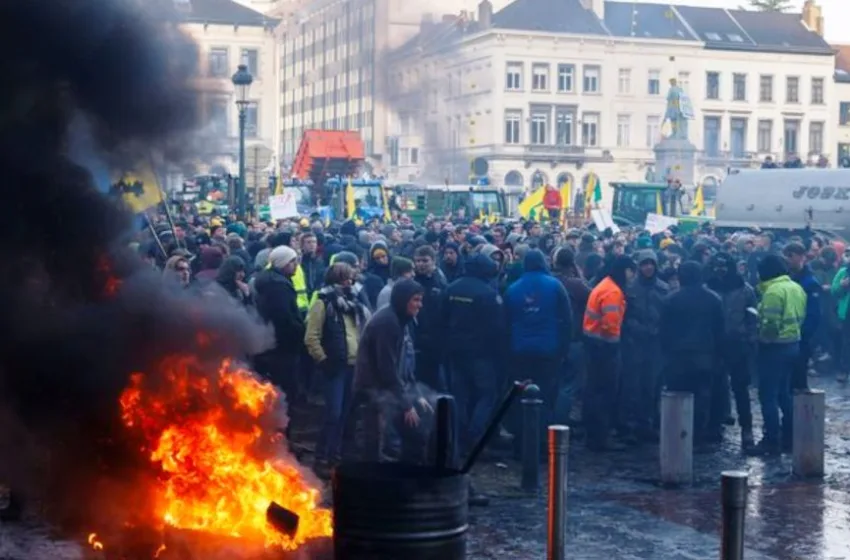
(781, 313)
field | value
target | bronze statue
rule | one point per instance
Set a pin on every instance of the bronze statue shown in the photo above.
(679, 111)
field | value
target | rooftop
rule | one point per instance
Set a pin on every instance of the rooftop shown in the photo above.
(717, 28)
(222, 12)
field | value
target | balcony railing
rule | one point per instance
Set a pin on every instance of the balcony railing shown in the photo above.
(554, 149)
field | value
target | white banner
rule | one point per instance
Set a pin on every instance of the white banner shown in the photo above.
(657, 223)
(603, 220)
(283, 206)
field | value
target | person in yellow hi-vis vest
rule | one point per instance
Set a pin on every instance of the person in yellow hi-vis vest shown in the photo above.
(302, 297)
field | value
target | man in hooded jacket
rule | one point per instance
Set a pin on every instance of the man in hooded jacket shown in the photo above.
(692, 329)
(602, 327)
(740, 330)
(384, 376)
(641, 382)
(377, 272)
(475, 333)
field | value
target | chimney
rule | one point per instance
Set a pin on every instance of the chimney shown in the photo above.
(595, 6)
(813, 16)
(485, 14)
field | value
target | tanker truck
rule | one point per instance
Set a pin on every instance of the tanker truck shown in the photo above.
(787, 200)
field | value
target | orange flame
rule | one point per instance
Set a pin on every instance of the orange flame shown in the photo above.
(94, 542)
(210, 437)
(111, 282)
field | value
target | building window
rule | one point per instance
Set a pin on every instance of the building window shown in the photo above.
(815, 137)
(844, 113)
(843, 155)
(512, 125)
(711, 136)
(738, 137)
(591, 79)
(252, 121)
(404, 156)
(624, 130)
(766, 89)
(566, 77)
(712, 85)
(817, 91)
(513, 76)
(564, 122)
(251, 59)
(590, 129)
(792, 90)
(218, 118)
(684, 80)
(792, 133)
(539, 126)
(653, 85)
(540, 77)
(653, 130)
(219, 66)
(765, 137)
(624, 82)
(739, 87)
(414, 156)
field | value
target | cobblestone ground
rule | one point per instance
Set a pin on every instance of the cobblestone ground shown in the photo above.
(617, 511)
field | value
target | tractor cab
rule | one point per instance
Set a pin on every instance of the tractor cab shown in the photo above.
(633, 201)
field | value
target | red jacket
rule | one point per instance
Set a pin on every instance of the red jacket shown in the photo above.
(552, 199)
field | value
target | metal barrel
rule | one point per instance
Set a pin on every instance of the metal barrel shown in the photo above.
(398, 510)
(733, 495)
(559, 447)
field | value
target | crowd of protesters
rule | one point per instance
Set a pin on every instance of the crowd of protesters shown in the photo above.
(378, 318)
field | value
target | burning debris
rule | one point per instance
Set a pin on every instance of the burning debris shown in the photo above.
(121, 400)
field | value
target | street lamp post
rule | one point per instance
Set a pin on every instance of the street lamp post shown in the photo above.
(242, 80)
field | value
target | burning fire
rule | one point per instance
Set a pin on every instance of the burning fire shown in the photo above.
(210, 437)
(94, 542)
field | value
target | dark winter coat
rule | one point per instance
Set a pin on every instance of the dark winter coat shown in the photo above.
(276, 303)
(737, 296)
(472, 312)
(428, 333)
(807, 280)
(644, 304)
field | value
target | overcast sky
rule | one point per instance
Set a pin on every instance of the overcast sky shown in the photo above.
(836, 14)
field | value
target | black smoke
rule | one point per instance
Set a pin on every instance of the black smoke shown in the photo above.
(124, 71)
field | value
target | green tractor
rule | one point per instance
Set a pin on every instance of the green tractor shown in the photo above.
(633, 201)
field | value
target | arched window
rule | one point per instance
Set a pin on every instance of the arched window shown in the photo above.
(538, 179)
(709, 187)
(513, 179)
(564, 178)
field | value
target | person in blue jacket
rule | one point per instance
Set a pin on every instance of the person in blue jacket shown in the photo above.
(475, 335)
(801, 273)
(539, 319)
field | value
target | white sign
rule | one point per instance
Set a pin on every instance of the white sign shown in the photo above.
(657, 223)
(603, 220)
(283, 206)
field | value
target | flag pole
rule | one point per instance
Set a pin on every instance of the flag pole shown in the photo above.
(162, 199)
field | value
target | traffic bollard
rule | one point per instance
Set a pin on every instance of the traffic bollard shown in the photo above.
(559, 447)
(445, 453)
(531, 407)
(808, 433)
(733, 495)
(677, 438)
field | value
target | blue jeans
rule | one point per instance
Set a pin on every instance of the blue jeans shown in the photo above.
(336, 388)
(474, 387)
(775, 367)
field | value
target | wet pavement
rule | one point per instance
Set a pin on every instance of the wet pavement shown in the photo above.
(618, 511)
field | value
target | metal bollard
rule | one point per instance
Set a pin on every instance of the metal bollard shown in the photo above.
(677, 438)
(559, 447)
(808, 433)
(445, 453)
(733, 495)
(531, 405)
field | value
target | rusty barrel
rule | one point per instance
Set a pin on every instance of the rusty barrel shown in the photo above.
(400, 511)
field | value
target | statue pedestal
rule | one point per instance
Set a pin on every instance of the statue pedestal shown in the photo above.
(676, 158)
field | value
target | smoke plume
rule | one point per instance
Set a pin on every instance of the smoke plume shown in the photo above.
(122, 70)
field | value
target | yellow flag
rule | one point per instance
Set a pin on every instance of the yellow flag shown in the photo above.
(698, 208)
(278, 187)
(566, 195)
(350, 206)
(659, 207)
(139, 190)
(386, 200)
(530, 202)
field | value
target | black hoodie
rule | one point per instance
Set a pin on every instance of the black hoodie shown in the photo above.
(377, 274)
(385, 356)
(737, 296)
(692, 326)
(472, 312)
